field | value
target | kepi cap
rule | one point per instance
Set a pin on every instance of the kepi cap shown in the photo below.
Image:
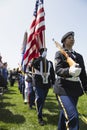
(42, 49)
(66, 35)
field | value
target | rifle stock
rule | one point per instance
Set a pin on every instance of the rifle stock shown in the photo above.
(69, 60)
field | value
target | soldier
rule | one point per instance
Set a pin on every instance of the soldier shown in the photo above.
(5, 75)
(30, 92)
(12, 77)
(2, 83)
(71, 83)
(26, 90)
(44, 79)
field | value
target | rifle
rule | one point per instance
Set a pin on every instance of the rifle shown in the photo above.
(69, 60)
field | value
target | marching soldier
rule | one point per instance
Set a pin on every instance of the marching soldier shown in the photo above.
(26, 90)
(44, 79)
(5, 75)
(31, 94)
(71, 83)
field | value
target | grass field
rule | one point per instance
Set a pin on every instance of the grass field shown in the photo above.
(15, 115)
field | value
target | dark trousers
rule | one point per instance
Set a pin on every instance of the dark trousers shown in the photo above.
(40, 96)
(31, 95)
(68, 119)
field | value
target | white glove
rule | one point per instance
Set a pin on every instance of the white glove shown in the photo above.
(44, 54)
(74, 71)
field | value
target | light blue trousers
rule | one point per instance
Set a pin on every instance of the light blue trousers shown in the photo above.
(68, 119)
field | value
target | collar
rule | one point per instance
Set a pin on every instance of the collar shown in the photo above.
(71, 51)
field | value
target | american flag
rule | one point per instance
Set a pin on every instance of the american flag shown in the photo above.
(36, 39)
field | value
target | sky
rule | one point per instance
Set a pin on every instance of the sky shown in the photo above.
(61, 16)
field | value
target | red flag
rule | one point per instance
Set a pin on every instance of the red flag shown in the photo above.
(36, 39)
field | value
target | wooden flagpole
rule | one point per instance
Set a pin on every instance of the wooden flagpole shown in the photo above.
(44, 46)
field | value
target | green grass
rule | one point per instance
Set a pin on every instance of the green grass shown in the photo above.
(15, 115)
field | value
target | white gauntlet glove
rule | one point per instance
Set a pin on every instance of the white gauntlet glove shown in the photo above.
(74, 71)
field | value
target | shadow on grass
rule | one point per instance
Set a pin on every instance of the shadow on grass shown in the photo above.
(8, 117)
(83, 125)
(4, 104)
(5, 97)
(51, 119)
(51, 97)
(83, 121)
(3, 128)
(52, 106)
(54, 109)
(11, 92)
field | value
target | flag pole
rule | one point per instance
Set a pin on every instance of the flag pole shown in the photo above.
(44, 45)
(44, 42)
